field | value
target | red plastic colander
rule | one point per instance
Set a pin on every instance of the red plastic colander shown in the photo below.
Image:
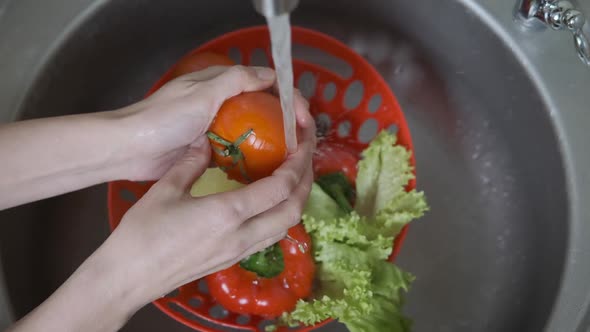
(355, 104)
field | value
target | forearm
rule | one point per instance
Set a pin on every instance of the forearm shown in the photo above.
(47, 157)
(99, 297)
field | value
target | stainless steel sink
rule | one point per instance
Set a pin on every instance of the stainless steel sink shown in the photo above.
(498, 113)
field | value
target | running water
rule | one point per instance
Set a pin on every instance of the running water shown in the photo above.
(280, 37)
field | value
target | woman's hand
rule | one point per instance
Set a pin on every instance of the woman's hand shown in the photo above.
(162, 127)
(138, 142)
(169, 238)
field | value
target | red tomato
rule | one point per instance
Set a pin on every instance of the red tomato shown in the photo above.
(247, 136)
(200, 61)
(333, 157)
(244, 292)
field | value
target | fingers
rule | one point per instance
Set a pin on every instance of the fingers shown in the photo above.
(283, 216)
(189, 167)
(301, 106)
(204, 74)
(264, 194)
(238, 79)
(302, 114)
(263, 244)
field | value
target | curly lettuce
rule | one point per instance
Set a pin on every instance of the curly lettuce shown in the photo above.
(358, 287)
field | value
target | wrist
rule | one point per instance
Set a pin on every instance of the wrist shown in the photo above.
(140, 143)
(96, 298)
(125, 139)
(117, 280)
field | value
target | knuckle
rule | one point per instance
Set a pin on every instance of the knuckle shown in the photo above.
(239, 72)
(166, 188)
(306, 183)
(232, 214)
(282, 193)
(305, 192)
(294, 213)
(289, 181)
(194, 87)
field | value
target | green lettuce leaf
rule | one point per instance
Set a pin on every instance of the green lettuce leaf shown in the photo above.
(360, 291)
(382, 175)
(357, 286)
(321, 205)
(386, 315)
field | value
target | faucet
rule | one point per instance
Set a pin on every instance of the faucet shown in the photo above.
(558, 15)
(271, 8)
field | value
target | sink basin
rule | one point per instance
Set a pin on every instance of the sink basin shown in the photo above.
(498, 116)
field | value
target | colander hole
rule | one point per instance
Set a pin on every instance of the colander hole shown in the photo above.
(173, 293)
(374, 103)
(368, 130)
(127, 195)
(307, 84)
(323, 124)
(195, 302)
(203, 288)
(354, 95)
(329, 91)
(344, 129)
(259, 58)
(263, 324)
(235, 54)
(392, 129)
(187, 314)
(218, 312)
(243, 319)
(323, 59)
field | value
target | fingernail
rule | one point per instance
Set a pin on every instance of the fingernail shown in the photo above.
(300, 95)
(306, 103)
(265, 74)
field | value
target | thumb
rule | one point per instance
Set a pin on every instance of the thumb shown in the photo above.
(238, 79)
(190, 166)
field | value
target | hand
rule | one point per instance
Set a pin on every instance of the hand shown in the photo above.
(162, 127)
(52, 156)
(169, 238)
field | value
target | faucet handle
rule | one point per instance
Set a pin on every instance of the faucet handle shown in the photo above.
(560, 15)
(583, 46)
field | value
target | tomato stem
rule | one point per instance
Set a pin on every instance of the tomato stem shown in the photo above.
(232, 149)
(267, 263)
(219, 139)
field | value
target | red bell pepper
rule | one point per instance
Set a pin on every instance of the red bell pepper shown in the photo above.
(270, 282)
